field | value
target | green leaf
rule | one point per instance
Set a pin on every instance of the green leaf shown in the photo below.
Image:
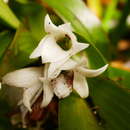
(33, 14)
(18, 53)
(25, 41)
(78, 14)
(36, 24)
(110, 12)
(5, 40)
(74, 114)
(5, 122)
(7, 16)
(112, 102)
(121, 76)
(23, 1)
(121, 27)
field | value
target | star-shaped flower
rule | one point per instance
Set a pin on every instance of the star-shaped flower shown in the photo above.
(80, 73)
(48, 48)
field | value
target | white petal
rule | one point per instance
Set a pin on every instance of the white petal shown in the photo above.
(90, 72)
(49, 50)
(47, 88)
(38, 50)
(77, 47)
(67, 27)
(52, 52)
(24, 112)
(29, 94)
(61, 88)
(49, 26)
(36, 95)
(71, 64)
(80, 85)
(57, 31)
(47, 93)
(23, 78)
(55, 68)
(66, 30)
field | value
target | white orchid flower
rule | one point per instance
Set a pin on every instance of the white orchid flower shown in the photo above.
(48, 48)
(34, 80)
(31, 80)
(80, 74)
(50, 79)
(28, 79)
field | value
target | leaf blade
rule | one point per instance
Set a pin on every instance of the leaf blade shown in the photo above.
(8, 16)
(74, 114)
(112, 101)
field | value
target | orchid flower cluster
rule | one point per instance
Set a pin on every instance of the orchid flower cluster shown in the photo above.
(59, 74)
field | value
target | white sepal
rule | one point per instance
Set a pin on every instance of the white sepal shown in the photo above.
(47, 88)
(49, 50)
(47, 94)
(23, 78)
(77, 47)
(92, 73)
(38, 50)
(80, 85)
(29, 94)
(57, 31)
(49, 26)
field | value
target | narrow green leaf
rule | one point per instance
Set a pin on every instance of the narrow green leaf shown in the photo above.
(7, 16)
(86, 25)
(5, 39)
(110, 12)
(121, 76)
(112, 102)
(23, 1)
(36, 22)
(18, 53)
(25, 41)
(121, 27)
(33, 14)
(74, 114)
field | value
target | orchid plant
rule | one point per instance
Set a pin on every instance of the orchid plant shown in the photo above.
(50, 78)
(52, 74)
